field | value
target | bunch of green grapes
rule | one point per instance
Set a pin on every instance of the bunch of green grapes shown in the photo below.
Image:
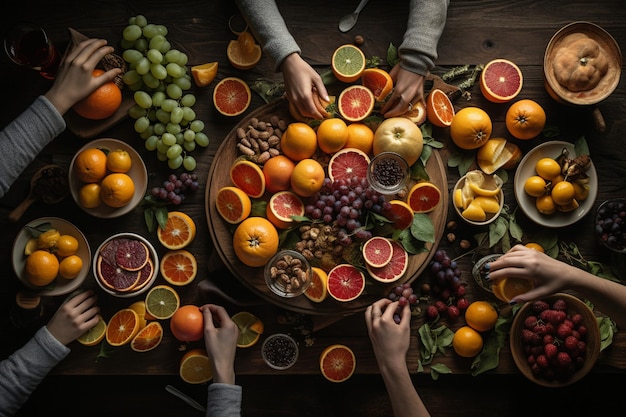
(163, 110)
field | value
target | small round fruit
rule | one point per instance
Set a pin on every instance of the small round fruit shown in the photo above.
(117, 190)
(119, 160)
(332, 135)
(187, 323)
(66, 245)
(70, 266)
(467, 342)
(548, 168)
(399, 135)
(41, 268)
(525, 119)
(481, 316)
(545, 204)
(535, 246)
(470, 128)
(90, 165)
(563, 193)
(89, 195)
(307, 177)
(535, 186)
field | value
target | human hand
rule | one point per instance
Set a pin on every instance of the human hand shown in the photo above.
(390, 340)
(220, 340)
(77, 315)
(74, 80)
(304, 87)
(408, 88)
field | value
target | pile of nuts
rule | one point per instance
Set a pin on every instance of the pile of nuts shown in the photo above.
(261, 140)
(320, 242)
(290, 272)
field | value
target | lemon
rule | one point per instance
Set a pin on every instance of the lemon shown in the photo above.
(474, 212)
(481, 184)
(488, 204)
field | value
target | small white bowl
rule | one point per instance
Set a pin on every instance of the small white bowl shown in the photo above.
(138, 173)
(153, 256)
(526, 169)
(61, 286)
(490, 216)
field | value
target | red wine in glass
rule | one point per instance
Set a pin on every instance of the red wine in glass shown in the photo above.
(29, 45)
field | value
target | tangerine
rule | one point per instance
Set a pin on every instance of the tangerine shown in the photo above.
(119, 160)
(41, 268)
(255, 241)
(467, 342)
(525, 119)
(70, 266)
(563, 193)
(548, 168)
(101, 103)
(332, 135)
(481, 316)
(307, 177)
(117, 189)
(187, 323)
(535, 186)
(470, 128)
(89, 195)
(545, 204)
(90, 165)
(277, 171)
(535, 246)
(66, 245)
(360, 136)
(299, 141)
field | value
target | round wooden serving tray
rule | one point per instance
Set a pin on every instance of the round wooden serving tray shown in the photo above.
(221, 232)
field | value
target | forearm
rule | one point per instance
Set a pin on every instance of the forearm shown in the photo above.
(405, 401)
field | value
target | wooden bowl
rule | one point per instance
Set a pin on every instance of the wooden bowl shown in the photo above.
(592, 339)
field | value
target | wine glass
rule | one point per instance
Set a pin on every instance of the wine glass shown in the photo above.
(28, 44)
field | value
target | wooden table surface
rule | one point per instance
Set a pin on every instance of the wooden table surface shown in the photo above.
(476, 32)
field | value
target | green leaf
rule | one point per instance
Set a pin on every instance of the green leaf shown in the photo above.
(418, 171)
(489, 356)
(258, 208)
(514, 228)
(148, 215)
(581, 147)
(454, 159)
(35, 231)
(422, 228)
(437, 369)
(161, 216)
(551, 132)
(607, 329)
(392, 55)
(497, 229)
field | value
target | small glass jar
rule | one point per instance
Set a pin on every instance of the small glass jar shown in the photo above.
(280, 351)
(288, 273)
(479, 272)
(388, 173)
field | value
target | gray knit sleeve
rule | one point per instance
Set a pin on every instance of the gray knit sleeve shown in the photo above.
(25, 137)
(224, 400)
(418, 50)
(269, 28)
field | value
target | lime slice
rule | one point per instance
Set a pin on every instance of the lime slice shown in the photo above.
(348, 62)
(250, 328)
(94, 335)
(162, 302)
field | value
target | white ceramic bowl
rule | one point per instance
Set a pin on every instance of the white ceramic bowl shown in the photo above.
(490, 216)
(61, 285)
(144, 287)
(526, 203)
(137, 172)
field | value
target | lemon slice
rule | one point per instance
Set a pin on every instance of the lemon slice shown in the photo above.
(488, 204)
(474, 212)
(485, 185)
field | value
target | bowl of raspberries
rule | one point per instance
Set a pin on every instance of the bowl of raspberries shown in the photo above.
(555, 341)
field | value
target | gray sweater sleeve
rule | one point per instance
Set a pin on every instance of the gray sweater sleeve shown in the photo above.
(22, 372)
(269, 28)
(25, 137)
(418, 50)
(224, 400)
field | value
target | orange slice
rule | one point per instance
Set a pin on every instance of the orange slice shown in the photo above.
(506, 289)
(179, 267)
(317, 290)
(233, 204)
(424, 197)
(250, 328)
(240, 58)
(337, 363)
(122, 327)
(195, 367)
(248, 177)
(378, 81)
(439, 108)
(179, 231)
(204, 74)
(148, 338)
(400, 213)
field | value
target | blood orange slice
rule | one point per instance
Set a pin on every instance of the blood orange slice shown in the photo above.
(148, 338)
(424, 197)
(233, 204)
(355, 103)
(378, 81)
(337, 363)
(400, 213)
(231, 96)
(396, 267)
(115, 277)
(179, 267)
(122, 327)
(377, 251)
(345, 282)
(347, 164)
(439, 108)
(317, 290)
(248, 177)
(282, 206)
(348, 63)
(500, 81)
(131, 254)
(145, 275)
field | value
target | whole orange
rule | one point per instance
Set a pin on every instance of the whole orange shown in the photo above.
(89, 195)
(117, 189)
(525, 119)
(307, 177)
(101, 103)
(481, 316)
(90, 165)
(41, 268)
(467, 342)
(332, 135)
(66, 245)
(70, 267)
(187, 323)
(299, 141)
(277, 171)
(470, 128)
(361, 137)
(119, 160)
(255, 241)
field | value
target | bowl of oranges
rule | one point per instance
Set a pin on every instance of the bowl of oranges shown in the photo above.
(51, 256)
(107, 178)
(547, 192)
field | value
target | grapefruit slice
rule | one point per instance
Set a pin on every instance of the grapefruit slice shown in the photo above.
(122, 327)
(179, 267)
(348, 63)
(337, 363)
(231, 96)
(396, 267)
(233, 204)
(378, 81)
(195, 367)
(400, 213)
(249, 177)
(355, 103)
(345, 282)
(424, 197)
(377, 251)
(347, 164)
(282, 206)
(317, 290)
(500, 81)
(148, 338)
(439, 108)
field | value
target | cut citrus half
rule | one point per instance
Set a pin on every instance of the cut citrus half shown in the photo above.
(231, 96)
(400, 214)
(377, 251)
(424, 197)
(355, 103)
(500, 81)
(204, 74)
(122, 327)
(439, 108)
(233, 204)
(248, 177)
(345, 282)
(195, 367)
(241, 58)
(348, 63)
(395, 268)
(148, 338)
(140, 309)
(179, 231)
(506, 289)
(378, 81)
(250, 328)
(337, 363)
(162, 302)
(282, 206)
(348, 163)
(317, 290)
(179, 267)
(94, 335)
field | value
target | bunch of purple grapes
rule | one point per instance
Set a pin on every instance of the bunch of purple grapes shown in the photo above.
(404, 295)
(346, 202)
(175, 186)
(447, 287)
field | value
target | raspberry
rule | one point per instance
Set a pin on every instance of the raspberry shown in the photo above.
(462, 303)
(528, 336)
(564, 360)
(571, 343)
(539, 306)
(560, 305)
(542, 361)
(582, 346)
(563, 331)
(582, 329)
(540, 329)
(550, 351)
(548, 339)
(432, 312)
(577, 319)
(561, 316)
(530, 322)
(531, 359)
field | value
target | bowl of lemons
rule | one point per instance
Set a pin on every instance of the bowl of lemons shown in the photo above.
(478, 197)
